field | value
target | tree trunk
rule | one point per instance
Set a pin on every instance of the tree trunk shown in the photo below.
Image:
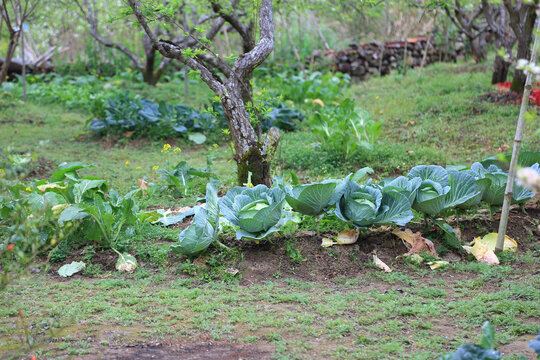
(251, 155)
(12, 44)
(524, 39)
(478, 50)
(500, 70)
(518, 81)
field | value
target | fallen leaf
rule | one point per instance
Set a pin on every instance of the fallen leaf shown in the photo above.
(318, 102)
(491, 241)
(437, 264)
(232, 271)
(143, 185)
(482, 253)
(347, 237)
(416, 258)
(128, 133)
(458, 232)
(380, 264)
(415, 242)
(326, 242)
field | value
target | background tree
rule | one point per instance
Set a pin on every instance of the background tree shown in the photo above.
(150, 73)
(522, 17)
(252, 153)
(498, 21)
(14, 14)
(468, 22)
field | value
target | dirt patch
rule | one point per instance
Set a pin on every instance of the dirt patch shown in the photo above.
(502, 98)
(42, 168)
(520, 346)
(217, 350)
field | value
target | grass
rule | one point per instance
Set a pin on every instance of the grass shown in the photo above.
(411, 313)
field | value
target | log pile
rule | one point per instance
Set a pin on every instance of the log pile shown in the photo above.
(363, 60)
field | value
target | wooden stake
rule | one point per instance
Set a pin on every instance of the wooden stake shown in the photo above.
(517, 144)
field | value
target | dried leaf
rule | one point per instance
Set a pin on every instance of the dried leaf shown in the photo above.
(326, 242)
(318, 102)
(491, 241)
(347, 237)
(232, 271)
(415, 242)
(482, 253)
(143, 185)
(437, 264)
(380, 264)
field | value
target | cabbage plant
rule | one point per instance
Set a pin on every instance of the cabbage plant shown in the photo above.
(257, 211)
(441, 189)
(493, 180)
(311, 199)
(365, 205)
(204, 229)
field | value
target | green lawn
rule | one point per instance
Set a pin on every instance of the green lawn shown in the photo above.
(284, 303)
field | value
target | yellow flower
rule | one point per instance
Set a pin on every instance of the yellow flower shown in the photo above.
(127, 163)
(177, 150)
(138, 168)
(155, 167)
(166, 148)
(249, 185)
(215, 145)
(28, 189)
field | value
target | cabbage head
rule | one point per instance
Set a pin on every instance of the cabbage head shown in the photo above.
(367, 205)
(441, 189)
(257, 211)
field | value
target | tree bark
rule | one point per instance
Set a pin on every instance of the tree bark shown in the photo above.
(12, 44)
(523, 52)
(500, 70)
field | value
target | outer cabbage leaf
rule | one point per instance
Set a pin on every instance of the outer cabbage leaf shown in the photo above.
(434, 173)
(204, 229)
(395, 209)
(311, 199)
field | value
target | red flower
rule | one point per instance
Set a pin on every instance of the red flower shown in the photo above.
(33, 358)
(10, 247)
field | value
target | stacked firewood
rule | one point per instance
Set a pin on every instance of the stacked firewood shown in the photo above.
(366, 59)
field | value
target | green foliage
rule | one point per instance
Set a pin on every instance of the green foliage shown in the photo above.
(145, 118)
(179, 177)
(346, 128)
(306, 86)
(311, 199)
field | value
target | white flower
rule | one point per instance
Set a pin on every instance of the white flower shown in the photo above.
(521, 63)
(529, 178)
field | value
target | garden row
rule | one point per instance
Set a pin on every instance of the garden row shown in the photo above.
(68, 203)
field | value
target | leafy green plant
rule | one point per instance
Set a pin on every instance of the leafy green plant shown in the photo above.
(204, 229)
(365, 205)
(126, 113)
(178, 177)
(441, 189)
(345, 127)
(482, 351)
(257, 211)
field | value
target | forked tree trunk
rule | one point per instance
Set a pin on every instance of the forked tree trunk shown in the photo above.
(478, 49)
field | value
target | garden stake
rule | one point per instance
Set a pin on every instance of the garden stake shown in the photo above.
(515, 152)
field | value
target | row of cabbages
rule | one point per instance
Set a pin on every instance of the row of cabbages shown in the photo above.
(429, 189)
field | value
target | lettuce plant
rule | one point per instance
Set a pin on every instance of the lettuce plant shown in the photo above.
(204, 229)
(368, 205)
(257, 211)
